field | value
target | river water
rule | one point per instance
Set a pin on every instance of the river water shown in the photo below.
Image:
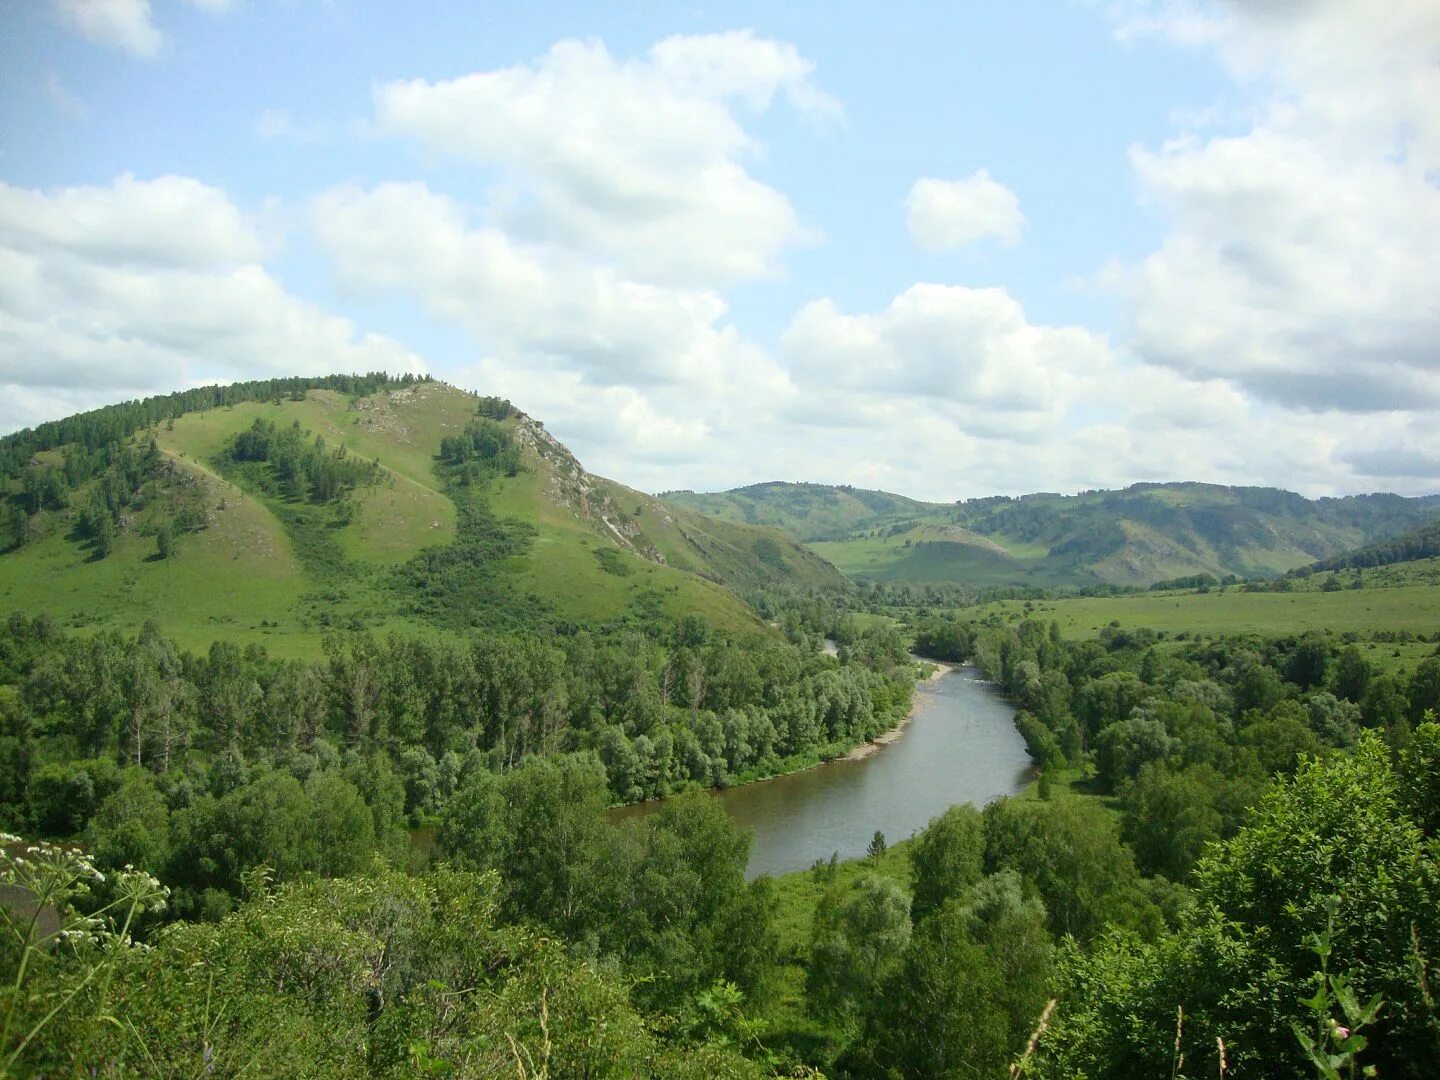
(961, 746)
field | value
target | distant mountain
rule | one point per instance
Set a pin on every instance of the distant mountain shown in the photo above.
(1141, 535)
(270, 512)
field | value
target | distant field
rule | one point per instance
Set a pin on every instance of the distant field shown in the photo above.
(1361, 612)
(1364, 611)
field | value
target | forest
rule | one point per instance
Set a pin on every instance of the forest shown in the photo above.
(1265, 879)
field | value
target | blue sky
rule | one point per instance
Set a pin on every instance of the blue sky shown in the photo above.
(947, 249)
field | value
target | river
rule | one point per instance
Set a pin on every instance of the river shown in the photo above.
(960, 746)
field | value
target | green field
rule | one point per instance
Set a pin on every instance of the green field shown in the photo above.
(1415, 608)
(1374, 617)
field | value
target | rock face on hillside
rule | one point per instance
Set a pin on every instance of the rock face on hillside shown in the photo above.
(586, 496)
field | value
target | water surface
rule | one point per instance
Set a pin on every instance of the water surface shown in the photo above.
(961, 746)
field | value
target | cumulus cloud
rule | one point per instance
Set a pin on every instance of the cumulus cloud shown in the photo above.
(638, 161)
(947, 214)
(532, 305)
(144, 287)
(971, 347)
(122, 24)
(1299, 260)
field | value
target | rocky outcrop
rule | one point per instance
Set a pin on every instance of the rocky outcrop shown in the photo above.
(571, 486)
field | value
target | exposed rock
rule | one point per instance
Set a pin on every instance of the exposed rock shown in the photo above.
(570, 485)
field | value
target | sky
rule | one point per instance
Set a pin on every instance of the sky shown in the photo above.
(948, 250)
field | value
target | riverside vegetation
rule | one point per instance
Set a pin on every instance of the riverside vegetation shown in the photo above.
(1228, 867)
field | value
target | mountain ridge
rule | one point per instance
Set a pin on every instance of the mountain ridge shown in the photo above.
(1138, 535)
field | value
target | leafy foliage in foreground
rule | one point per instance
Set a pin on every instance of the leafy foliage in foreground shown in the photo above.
(377, 975)
(1330, 852)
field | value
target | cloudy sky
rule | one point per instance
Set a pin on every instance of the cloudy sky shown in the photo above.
(944, 249)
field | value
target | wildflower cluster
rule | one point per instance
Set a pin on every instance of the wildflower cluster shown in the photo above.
(50, 879)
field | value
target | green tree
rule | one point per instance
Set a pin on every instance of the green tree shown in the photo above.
(1352, 674)
(1419, 776)
(131, 826)
(965, 993)
(341, 827)
(1308, 665)
(1124, 747)
(1069, 852)
(1170, 817)
(946, 859)
(540, 825)
(103, 537)
(16, 530)
(856, 940)
(1241, 964)
(1281, 738)
(1424, 690)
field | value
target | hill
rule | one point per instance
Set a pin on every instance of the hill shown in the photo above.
(805, 511)
(273, 511)
(1144, 534)
(1421, 543)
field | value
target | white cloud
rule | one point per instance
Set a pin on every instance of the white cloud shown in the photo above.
(635, 376)
(169, 221)
(947, 214)
(636, 161)
(531, 305)
(945, 392)
(1303, 277)
(123, 24)
(1299, 261)
(971, 347)
(145, 287)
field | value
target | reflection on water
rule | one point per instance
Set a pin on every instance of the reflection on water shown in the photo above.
(961, 746)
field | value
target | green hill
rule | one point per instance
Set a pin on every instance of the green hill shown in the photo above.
(289, 508)
(1144, 534)
(1421, 543)
(805, 511)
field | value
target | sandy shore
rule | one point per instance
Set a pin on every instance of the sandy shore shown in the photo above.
(885, 738)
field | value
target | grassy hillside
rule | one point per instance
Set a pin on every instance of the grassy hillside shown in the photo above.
(258, 564)
(805, 511)
(1145, 534)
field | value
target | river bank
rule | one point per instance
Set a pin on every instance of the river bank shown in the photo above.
(885, 738)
